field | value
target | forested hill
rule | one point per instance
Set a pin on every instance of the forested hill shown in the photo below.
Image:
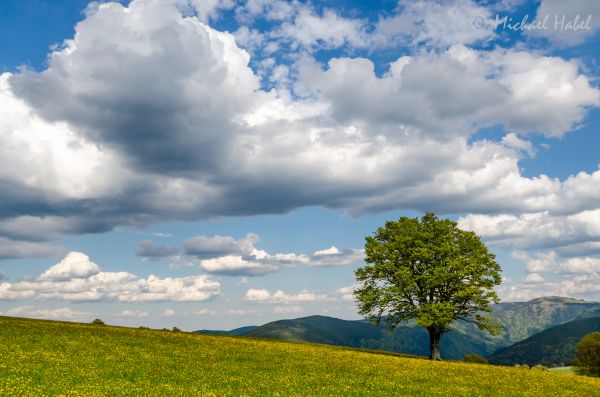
(552, 347)
(520, 320)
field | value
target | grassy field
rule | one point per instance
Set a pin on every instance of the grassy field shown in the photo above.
(563, 370)
(56, 358)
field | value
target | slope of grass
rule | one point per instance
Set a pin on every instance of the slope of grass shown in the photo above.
(563, 370)
(55, 358)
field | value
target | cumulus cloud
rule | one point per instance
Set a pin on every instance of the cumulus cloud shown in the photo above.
(217, 246)
(577, 286)
(63, 313)
(169, 313)
(522, 91)
(436, 24)
(11, 249)
(558, 14)
(152, 75)
(148, 249)
(165, 121)
(78, 279)
(74, 265)
(260, 262)
(241, 312)
(347, 293)
(575, 233)
(550, 261)
(227, 256)
(522, 145)
(7, 292)
(205, 312)
(133, 313)
(264, 296)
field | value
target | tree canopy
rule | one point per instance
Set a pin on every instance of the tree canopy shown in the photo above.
(431, 271)
(587, 357)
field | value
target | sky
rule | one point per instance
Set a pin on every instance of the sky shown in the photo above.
(210, 164)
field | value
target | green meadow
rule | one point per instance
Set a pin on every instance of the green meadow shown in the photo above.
(69, 359)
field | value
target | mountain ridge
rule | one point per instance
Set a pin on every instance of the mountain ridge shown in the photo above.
(520, 320)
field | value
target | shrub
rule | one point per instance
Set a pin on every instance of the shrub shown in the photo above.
(587, 357)
(540, 367)
(175, 329)
(475, 358)
(97, 321)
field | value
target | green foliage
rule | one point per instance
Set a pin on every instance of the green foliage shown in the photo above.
(97, 321)
(429, 270)
(475, 358)
(175, 329)
(47, 358)
(552, 347)
(587, 358)
(540, 367)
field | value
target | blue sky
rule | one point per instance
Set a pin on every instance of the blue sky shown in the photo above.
(213, 164)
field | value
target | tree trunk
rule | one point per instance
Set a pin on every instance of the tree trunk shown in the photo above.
(435, 334)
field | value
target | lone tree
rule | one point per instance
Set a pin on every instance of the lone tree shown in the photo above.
(429, 270)
(587, 357)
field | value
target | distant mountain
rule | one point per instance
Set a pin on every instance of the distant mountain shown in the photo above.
(552, 347)
(523, 319)
(237, 331)
(333, 331)
(520, 320)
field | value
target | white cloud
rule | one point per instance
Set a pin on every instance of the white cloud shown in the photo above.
(8, 293)
(287, 309)
(169, 313)
(11, 249)
(523, 91)
(133, 313)
(551, 262)
(513, 141)
(149, 131)
(573, 234)
(205, 312)
(218, 246)
(63, 313)
(436, 24)
(235, 266)
(232, 257)
(148, 249)
(327, 30)
(560, 14)
(241, 312)
(76, 278)
(206, 10)
(74, 265)
(327, 251)
(534, 278)
(577, 286)
(347, 293)
(264, 296)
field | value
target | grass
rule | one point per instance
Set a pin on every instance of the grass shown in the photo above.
(57, 358)
(562, 370)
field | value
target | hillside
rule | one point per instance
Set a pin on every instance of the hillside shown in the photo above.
(333, 331)
(552, 347)
(520, 320)
(56, 358)
(523, 319)
(236, 331)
